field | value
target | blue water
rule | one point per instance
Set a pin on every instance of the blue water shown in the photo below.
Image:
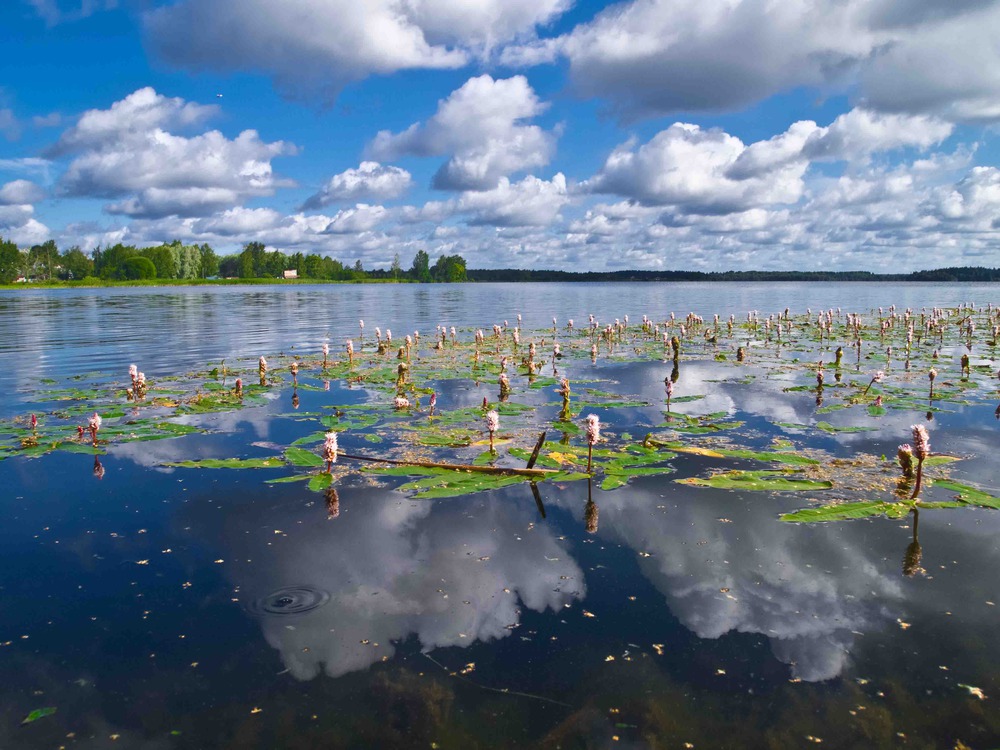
(156, 607)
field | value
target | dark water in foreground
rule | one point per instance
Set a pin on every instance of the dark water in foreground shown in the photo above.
(169, 608)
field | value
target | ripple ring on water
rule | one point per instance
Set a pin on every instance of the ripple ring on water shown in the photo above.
(291, 600)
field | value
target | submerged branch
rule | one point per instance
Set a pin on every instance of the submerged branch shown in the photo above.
(501, 470)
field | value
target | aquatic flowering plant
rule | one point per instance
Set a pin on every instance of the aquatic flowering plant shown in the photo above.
(94, 425)
(504, 382)
(921, 450)
(330, 450)
(593, 435)
(921, 442)
(904, 454)
(877, 377)
(492, 425)
(401, 402)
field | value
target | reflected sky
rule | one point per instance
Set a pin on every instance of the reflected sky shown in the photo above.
(449, 574)
(711, 577)
(63, 332)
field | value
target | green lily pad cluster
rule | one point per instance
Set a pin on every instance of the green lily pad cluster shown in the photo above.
(175, 405)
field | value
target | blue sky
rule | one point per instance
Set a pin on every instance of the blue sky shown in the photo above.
(655, 134)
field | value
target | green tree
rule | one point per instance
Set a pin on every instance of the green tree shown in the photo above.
(312, 267)
(253, 261)
(229, 266)
(421, 268)
(10, 262)
(187, 260)
(209, 261)
(42, 259)
(449, 268)
(138, 267)
(396, 268)
(162, 257)
(75, 264)
(110, 263)
(275, 264)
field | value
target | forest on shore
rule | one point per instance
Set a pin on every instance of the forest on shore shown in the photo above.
(176, 263)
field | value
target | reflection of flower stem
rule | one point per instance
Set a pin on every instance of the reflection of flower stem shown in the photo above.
(332, 503)
(590, 511)
(911, 559)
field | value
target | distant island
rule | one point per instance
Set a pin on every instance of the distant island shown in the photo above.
(177, 264)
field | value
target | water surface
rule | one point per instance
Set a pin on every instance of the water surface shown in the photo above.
(170, 608)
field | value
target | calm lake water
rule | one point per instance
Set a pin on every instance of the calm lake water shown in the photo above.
(156, 607)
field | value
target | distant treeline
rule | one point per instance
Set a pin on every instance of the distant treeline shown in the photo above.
(176, 262)
(964, 273)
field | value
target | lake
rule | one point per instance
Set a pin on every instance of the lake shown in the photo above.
(180, 606)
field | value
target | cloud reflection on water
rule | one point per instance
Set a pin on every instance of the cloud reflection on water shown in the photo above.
(449, 574)
(805, 591)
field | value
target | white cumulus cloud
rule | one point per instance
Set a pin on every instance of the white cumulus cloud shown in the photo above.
(126, 153)
(369, 180)
(313, 47)
(650, 57)
(713, 172)
(480, 126)
(20, 191)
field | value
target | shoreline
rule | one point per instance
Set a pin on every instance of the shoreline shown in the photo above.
(922, 277)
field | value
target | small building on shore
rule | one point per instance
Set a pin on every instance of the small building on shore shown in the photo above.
(292, 274)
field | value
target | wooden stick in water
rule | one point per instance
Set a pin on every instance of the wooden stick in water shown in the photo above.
(502, 470)
(534, 453)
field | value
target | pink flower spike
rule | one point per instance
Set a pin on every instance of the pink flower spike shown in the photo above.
(921, 442)
(330, 449)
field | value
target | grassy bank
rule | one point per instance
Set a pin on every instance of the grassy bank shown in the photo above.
(92, 282)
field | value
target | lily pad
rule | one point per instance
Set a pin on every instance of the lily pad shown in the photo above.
(844, 511)
(302, 457)
(320, 482)
(38, 713)
(969, 494)
(774, 481)
(230, 463)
